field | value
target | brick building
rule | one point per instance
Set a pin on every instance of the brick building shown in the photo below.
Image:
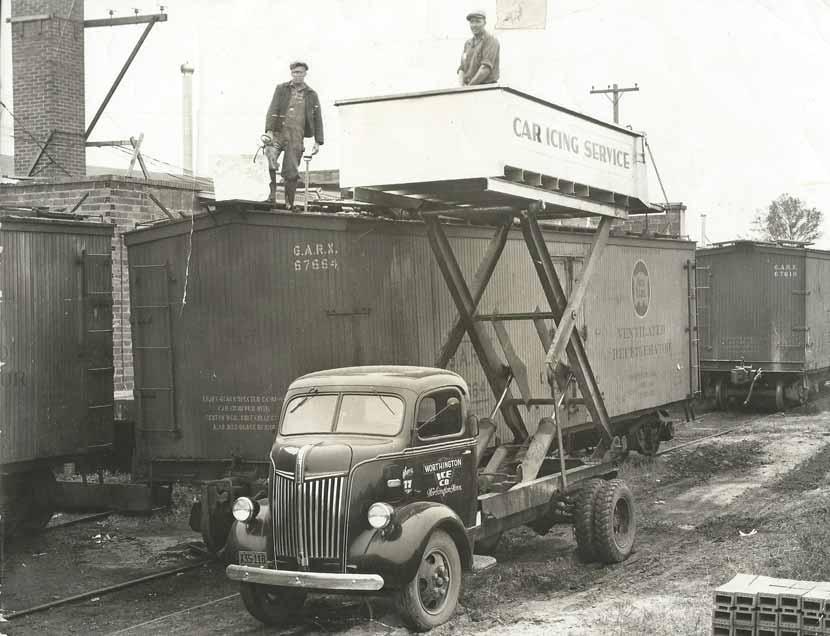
(48, 84)
(123, 201)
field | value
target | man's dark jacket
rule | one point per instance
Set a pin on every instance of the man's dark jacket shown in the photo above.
(275, 118)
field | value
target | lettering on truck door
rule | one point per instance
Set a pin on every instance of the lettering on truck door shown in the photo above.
(444, 471)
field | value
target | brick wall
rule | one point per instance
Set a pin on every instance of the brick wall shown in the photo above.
(123, 201)
(671, 221)
(48, 85)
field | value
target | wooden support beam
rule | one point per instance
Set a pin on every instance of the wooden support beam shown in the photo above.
(138, 19)
(480, 281)
(483, 346)
(160, 206)
(136, 144)
(107, 144)
(577, 357)
(121, 74)
(40, 154)
(566, 324)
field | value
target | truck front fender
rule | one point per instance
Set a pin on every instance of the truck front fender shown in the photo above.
(253, 536)
(395, 552)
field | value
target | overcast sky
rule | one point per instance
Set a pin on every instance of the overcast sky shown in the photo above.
(733, 93)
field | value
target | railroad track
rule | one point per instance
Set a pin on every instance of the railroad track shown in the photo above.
(101, 591)
(750, 421)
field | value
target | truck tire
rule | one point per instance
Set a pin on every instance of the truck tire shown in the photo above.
(615, 521)
(584, 520)
(430, 598)
(272, 605)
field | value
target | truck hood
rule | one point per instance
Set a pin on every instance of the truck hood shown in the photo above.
(323, 457)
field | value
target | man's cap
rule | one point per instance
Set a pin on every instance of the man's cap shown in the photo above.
(478, 13)
(294, 65)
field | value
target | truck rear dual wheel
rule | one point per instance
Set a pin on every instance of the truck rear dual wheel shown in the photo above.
(605, 521)
(615, 522)
(584, 520)
(272, 605)
(429, 599)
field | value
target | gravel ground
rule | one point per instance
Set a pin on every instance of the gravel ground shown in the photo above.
(753, 500)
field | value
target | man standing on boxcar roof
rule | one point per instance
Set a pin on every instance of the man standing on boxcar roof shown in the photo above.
(480, 60)
(293, 115)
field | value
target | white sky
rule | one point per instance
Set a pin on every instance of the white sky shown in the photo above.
(733, 93)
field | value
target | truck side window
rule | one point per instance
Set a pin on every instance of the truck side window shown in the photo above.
(436, 418)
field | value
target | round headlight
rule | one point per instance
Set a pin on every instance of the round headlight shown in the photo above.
(380, 515)
(244, 509)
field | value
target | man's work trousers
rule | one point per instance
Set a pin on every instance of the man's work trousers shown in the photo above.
(290, 144)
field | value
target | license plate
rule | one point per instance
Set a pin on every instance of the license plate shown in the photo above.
(252, 558)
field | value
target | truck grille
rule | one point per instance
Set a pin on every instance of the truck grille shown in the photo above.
(308, 517)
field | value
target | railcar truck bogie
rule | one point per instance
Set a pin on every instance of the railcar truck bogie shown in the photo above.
(378, 484)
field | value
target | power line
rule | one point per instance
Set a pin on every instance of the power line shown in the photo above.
(617, 92)
(32, 137)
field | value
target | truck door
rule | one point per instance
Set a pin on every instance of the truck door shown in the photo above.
(443, 467)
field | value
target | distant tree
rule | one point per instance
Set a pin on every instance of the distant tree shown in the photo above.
(788, 219)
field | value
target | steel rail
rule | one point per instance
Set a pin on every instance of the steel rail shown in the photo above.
(172, 614)
(105, 590)
(692, 442)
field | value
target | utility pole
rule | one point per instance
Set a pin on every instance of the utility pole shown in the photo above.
(617, 92)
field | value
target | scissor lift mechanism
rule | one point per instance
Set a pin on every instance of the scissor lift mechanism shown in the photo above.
(563, 311)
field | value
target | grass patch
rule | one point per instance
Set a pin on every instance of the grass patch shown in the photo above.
(809, 474)
(706, 461)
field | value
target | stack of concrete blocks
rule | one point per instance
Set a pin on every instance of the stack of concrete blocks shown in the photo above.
(750, 605)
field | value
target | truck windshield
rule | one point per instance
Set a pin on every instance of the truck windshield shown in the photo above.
(369, 414)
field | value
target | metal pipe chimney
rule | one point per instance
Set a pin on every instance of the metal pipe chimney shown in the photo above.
(187, 118)
(703, 241)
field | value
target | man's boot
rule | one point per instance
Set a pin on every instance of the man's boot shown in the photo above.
(290, 190)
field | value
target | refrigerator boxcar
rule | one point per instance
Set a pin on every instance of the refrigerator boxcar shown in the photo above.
(764, 321)
(56, 370)
(229, 307)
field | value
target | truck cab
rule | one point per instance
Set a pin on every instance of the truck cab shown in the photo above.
(373, 487)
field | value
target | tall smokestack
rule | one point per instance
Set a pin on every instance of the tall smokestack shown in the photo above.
(48, 84)
(187, 118)
(703, 230)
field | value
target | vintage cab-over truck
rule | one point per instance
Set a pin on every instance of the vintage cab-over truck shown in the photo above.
(382, 481)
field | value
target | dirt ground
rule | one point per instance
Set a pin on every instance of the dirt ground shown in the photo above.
(754, 501)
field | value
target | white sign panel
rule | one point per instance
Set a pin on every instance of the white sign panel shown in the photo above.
(476, 133)
(521, 14)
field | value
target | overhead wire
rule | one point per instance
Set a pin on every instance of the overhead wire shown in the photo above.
(34, 139)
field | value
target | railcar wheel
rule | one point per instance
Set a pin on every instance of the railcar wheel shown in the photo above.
(721, 399)
(779, 395)
(615, 521)
(430, 598)
(272, 605)
(583, 513)
(646, 438)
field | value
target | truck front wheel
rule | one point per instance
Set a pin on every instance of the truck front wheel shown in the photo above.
(272, 605)
(431, 596)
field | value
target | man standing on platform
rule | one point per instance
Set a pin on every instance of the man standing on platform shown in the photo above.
(293, 115)
(480, 60)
